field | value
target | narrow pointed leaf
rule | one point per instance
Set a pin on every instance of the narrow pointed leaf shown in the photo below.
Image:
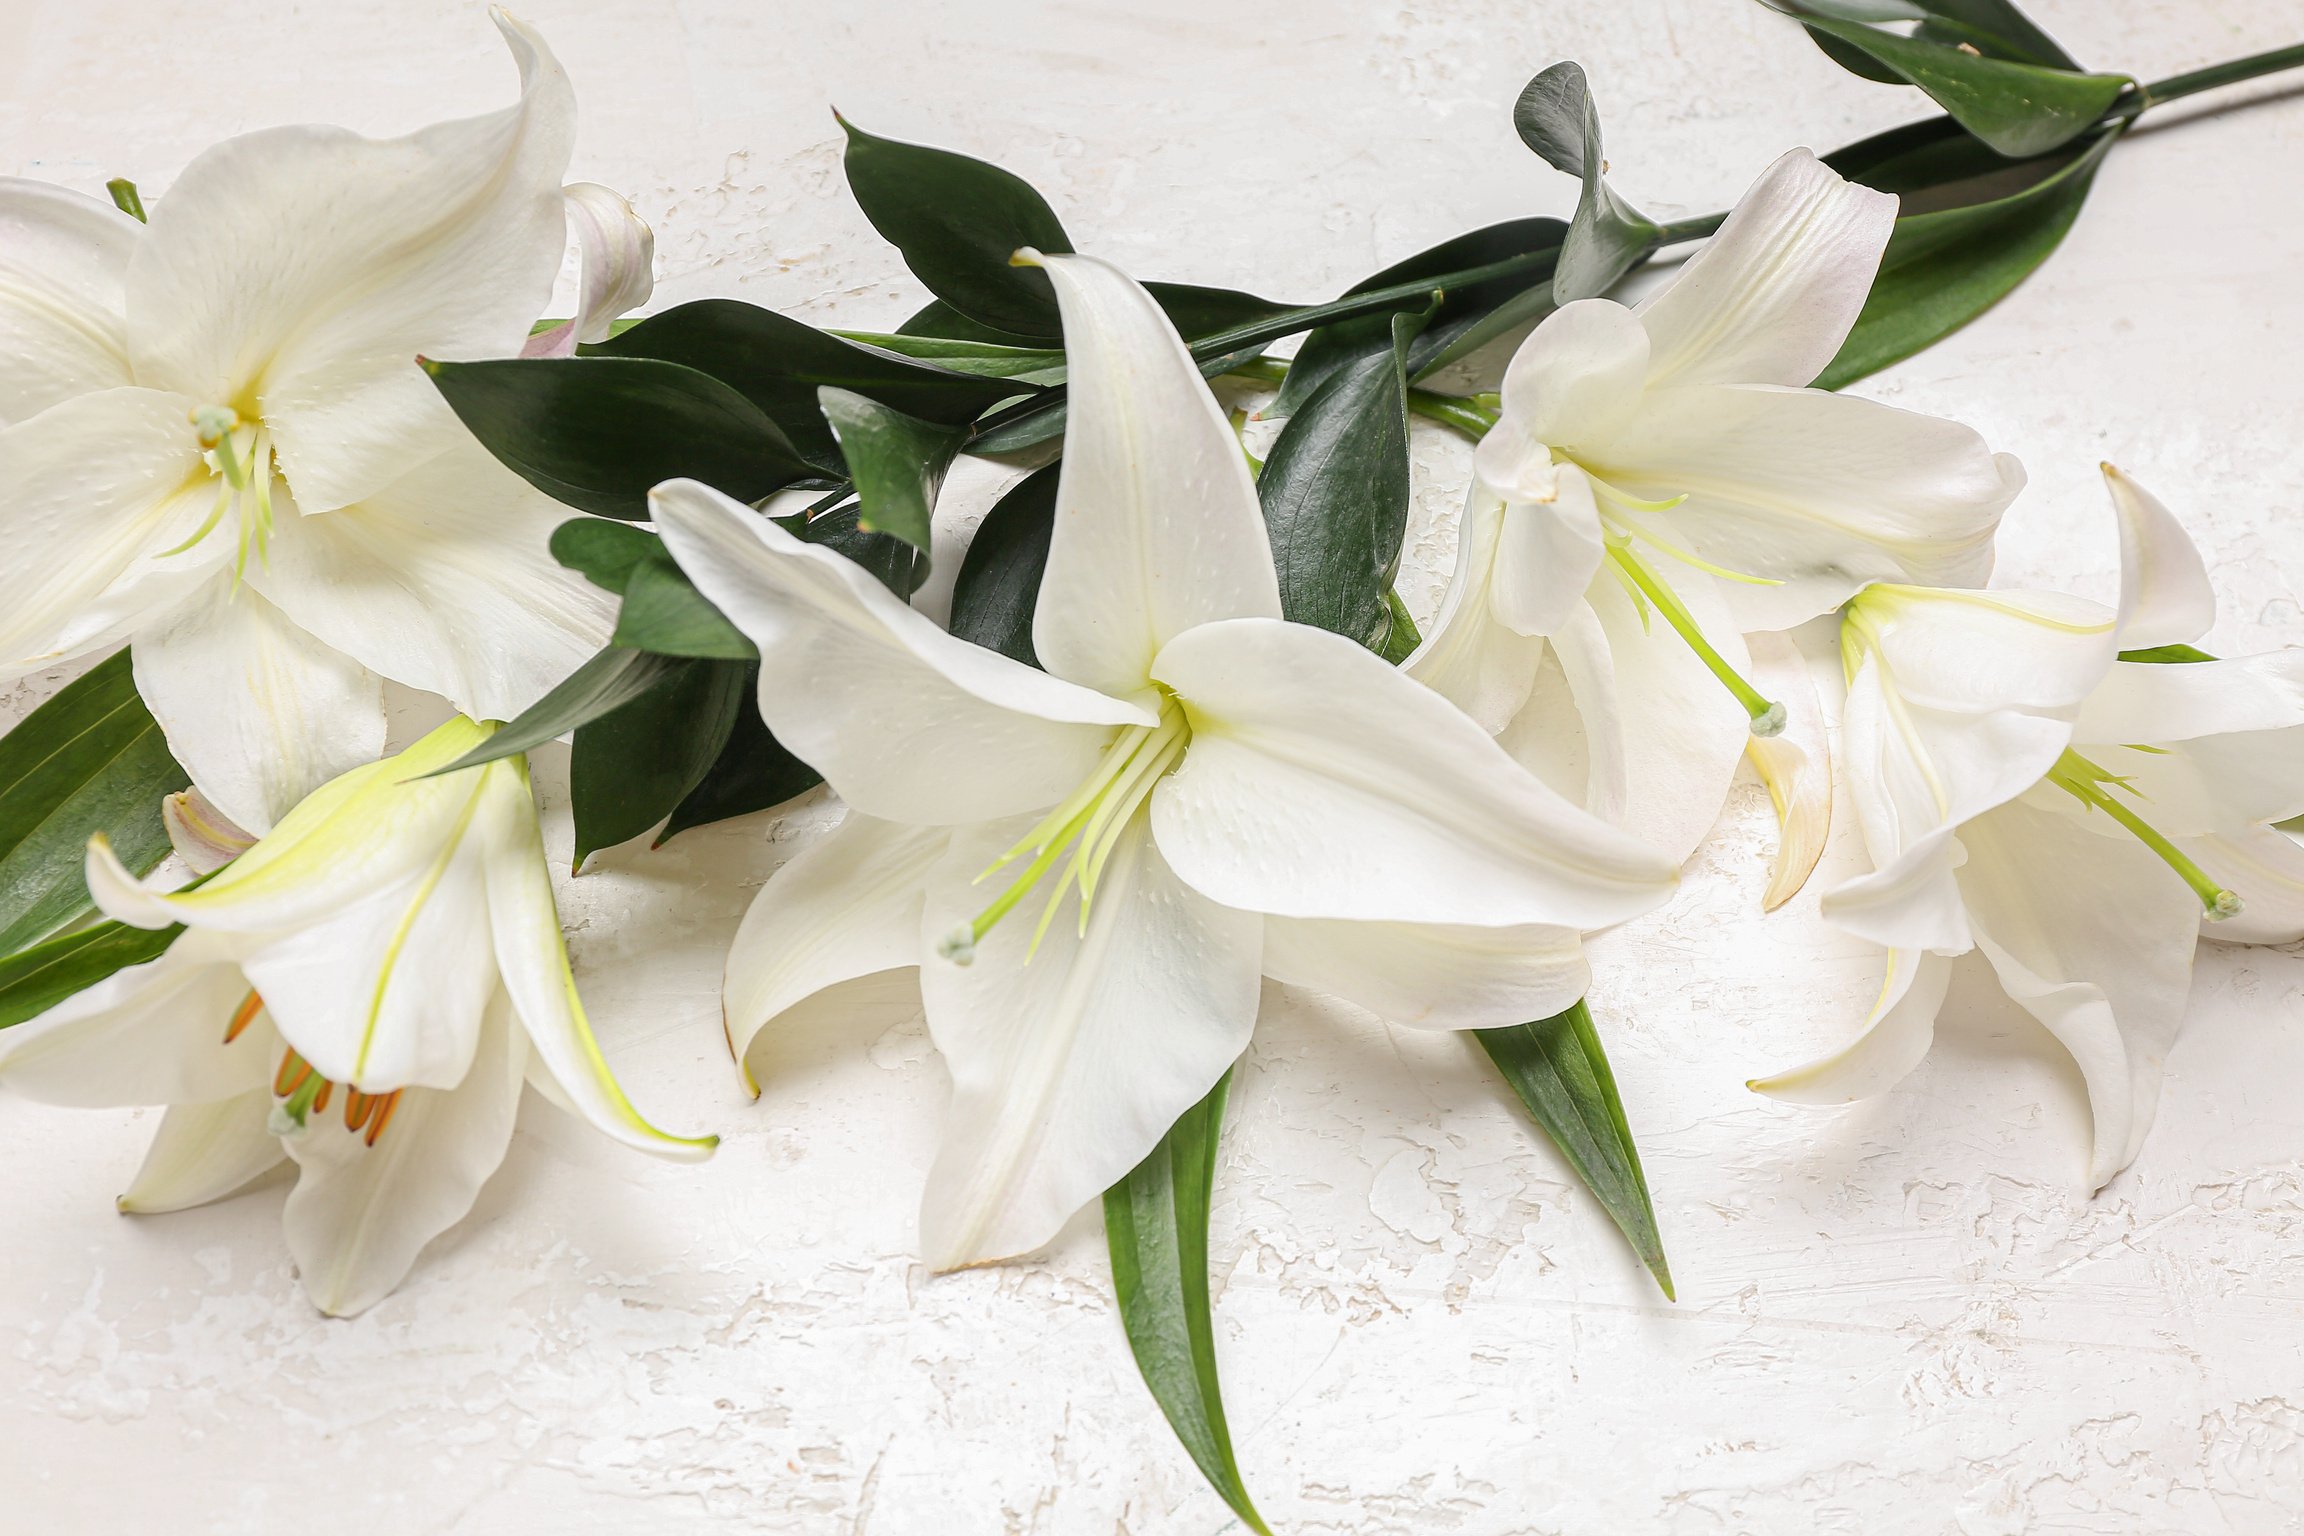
(986, 359)
(608, 681)
(632, 767)
(1558, 119)
(1559, 1071)
(896, 462)
(89, 760)
(1156, 1226)
(752, 772)
(998, 588)
(34, 980)
(663, 612)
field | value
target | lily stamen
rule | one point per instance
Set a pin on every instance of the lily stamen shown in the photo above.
(241, 456)
(243, 1016)
(2085, 781)
(1767, 715)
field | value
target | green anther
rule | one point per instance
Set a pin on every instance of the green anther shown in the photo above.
(1767, 716)
(2084, 781)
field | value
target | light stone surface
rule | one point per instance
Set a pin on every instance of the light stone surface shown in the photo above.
(1906, 1317)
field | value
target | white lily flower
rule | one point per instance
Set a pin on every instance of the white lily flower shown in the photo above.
(217, 443)
(1666, 462)
(1094, 864)
(363, 991)
(2076, 817)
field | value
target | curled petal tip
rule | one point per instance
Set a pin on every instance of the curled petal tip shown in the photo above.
(1026, 256)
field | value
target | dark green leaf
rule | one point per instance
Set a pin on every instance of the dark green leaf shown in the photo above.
(752, 772)
(604, 551)
(1156, 1226)
(1335, 492)
(89, 760)
(1401, 637)
(599, 432)
(987, 359)
(608, 681)
(663, 612)
(34, 980)
(1557, 1068)
(895, 461)
(998, 588)
(2168, 654)
(632, 767)
(1993, 27)
(1558, 119)
(956, 221)
(1942, 269)
(1198, 312)
(895, 564)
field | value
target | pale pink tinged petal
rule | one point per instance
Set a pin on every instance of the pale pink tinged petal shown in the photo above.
(359, 1214)
(1577, 378)
(98, 488)
(203, 836)
(1814, 494)
(1795, 766)
(1321, 783)
(2094, 937)
(444, 580)
(63, 262)
(847, 905)
(1070, 1065)
(2165, 597)
(203, 1152)
(2265, 869)
(1431, 975)
(1896, 1036)
(308, 267)
(1467, 655)
(149, 1034)
(616, 251)
(908, 723)
(1547, 555)
(1157, 524)
(259, 710)
(1770, 298)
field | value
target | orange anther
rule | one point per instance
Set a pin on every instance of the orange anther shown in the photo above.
(385, 1105)
(250, 1006)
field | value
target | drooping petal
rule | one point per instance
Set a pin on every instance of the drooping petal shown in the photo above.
(1587, 667)
(63, 261)
(203, 1152)
(309, 266)
(98, 488)
(1795, 766)
(1468, 656)
(204, 837)
(359, 1214)
(2266, 870)
(1571, 385)
(1157, 523)
(1895, 1038)
(847, 905)
(1068, 1069)
(908, 723)
(1815, 493)
(1771, 297)
(444, 580)
(2165, 596)
(617, 252)
(259, 710)
(1432, 975)
(532, 956)
(149, 1034)
(1546, 555)
(1321, 783)
(2094, 937)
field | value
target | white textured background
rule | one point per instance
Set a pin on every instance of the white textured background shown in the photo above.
(1905, 1317)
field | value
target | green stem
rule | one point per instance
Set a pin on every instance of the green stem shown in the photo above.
(1463, 412)
(2192, 82)
(1766, 715)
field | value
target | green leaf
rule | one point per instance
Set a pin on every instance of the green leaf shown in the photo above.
(34, 980)
(1156, 1226)
(1556, 117)
(752, 772)
(2166, 655)
(897, 463)
(1557, 1068)
(608, 681)
(1401, 636)
(1944, 268)
(89, 760)
(2018, 108)
(663, 612)
(1335, 492)
(956, 221)
(602, 550)
(1196, 311)
(632, 767)
(998, 588)
(987, 359)
(599, 432)
(895, 564)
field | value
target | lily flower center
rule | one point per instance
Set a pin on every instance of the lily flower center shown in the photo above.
(2086, 782)
(238, 453)
(1074, 840)
(302, 1092)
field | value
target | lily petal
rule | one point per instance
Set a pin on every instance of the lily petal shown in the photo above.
(1068, 1069)
(204, 837)
(311, 266)
(443, 579)
(617, 251)
(1573, 383)
(1547, 555)
(1587, 665)
(848, 905)
(1770, 298)
(149, 1034)
(2266, 869)
(1157, 524)
(63, 263)
(2165, 596)
(532, 956)
(1895, 1038)
(203, 1152)
(1321, 783)
(908, 723)
(1796, 767)
(359, 1214)
(1432, 975)
(258, 710)
(1813, 494)
(1468, 656)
